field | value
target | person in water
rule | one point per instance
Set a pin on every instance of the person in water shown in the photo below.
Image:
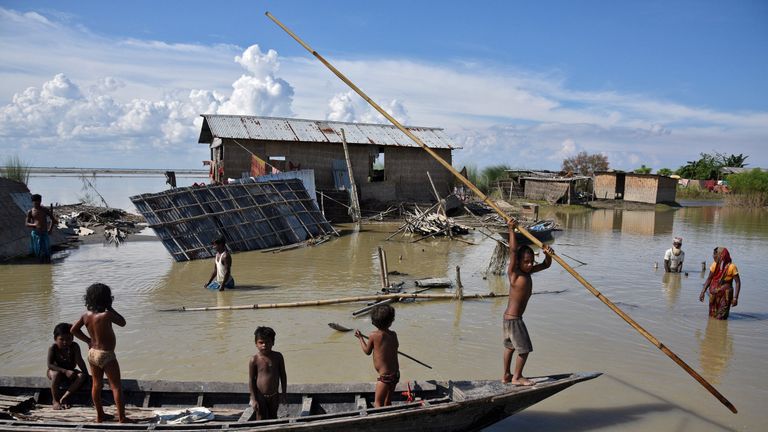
(674, 256)
(723, 284)
(37, 219)
(516, 338)
(222, 267)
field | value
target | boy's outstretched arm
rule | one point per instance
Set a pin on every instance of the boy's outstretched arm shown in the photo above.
(77, 331)
(367, 346)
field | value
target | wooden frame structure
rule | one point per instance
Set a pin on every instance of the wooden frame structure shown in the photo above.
(250, 216)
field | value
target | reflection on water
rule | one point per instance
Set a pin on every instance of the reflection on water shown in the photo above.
(716, 349)
(672, 284)
(571, 331)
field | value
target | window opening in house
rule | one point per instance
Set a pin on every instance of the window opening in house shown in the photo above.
(279, 163)
(377, 166)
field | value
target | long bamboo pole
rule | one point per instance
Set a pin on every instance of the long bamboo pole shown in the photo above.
(376, 298)
(522, 230)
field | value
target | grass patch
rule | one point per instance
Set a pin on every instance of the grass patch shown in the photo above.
(699, 194)
(15, 169)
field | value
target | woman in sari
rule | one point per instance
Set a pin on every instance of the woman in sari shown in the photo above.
(724, 284)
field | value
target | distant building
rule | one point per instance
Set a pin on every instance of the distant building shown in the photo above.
(387, 165)
(646, 188)
(609, 185)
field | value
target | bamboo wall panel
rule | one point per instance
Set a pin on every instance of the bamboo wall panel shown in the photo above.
(250, 216)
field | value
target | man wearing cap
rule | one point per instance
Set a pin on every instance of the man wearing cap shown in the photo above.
(222, 267)
(674, 257)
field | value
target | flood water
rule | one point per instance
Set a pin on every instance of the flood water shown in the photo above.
(641, 389)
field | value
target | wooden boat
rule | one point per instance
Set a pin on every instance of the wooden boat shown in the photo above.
(543, 231)
(435, 405)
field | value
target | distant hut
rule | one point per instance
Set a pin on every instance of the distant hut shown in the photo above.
(566, 190)
(387, 165)
(609, 185)
(649, 188)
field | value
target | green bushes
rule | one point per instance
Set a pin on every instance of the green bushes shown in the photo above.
(15, 169)
(750, 189)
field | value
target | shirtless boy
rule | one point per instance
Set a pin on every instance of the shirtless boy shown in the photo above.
(63, 360)
(266, 372)
(521, 266)
(98, 321)
(37, 219)
(383, 344)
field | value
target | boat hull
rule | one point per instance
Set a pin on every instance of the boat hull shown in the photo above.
(446, 406)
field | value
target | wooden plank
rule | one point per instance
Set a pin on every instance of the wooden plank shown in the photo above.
(306, 405)
(434, 282)
(248, 415)
(360, 403)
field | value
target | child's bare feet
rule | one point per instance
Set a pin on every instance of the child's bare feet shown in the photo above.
(127, 420)
(522, 381)
(104, 417)
(56, 405)
(507, 378)
(64, 402)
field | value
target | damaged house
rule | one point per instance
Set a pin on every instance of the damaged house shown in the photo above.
(387, 165)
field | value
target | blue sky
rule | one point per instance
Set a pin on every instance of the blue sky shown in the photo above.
(521, 83)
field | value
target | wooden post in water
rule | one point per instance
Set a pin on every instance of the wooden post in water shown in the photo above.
(508, 218)
(353, 202)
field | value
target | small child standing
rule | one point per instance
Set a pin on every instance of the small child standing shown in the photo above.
(521, 267)
(383, 344)
(266, 372)
(63, 358)
(98, 320)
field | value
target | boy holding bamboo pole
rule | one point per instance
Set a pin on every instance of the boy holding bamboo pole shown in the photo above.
(521, 266)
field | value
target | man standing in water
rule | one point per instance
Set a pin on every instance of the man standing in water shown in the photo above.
(37, 219)
(521, 266)
(222, 267)
(674, 257)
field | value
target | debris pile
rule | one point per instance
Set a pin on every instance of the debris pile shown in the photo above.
(83, 220)
(432, 224)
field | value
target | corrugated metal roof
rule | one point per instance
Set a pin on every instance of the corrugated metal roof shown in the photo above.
(285, 129)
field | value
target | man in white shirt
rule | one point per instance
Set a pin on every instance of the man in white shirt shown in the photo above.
(674, 257)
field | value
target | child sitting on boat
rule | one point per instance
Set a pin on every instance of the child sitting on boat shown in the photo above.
(383, 344)
(266, 372)
(516, 338)
(64, 358)
(222, 267)
(98, 320)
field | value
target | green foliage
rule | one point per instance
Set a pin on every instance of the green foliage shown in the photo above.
(643, 170)
(489, 175)
(665, 172)
(749, 181)
(585, 163)
(708, 166)
(15, 169)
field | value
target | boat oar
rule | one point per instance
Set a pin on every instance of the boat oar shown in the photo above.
(508, 218)
(341, 328)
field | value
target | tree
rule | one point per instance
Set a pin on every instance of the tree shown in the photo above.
(665, 172)
(585, 163)
(708, 166)
(643, 170)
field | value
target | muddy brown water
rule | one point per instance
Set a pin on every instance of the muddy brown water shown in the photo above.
(641, 390)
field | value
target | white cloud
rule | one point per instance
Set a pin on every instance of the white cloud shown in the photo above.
(349, 107)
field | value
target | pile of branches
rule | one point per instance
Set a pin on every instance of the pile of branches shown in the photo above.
(432, 224)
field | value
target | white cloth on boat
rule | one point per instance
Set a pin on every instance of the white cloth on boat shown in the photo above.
(184, 416)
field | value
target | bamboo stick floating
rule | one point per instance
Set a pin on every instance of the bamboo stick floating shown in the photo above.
(508, 218)
(376, 298)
